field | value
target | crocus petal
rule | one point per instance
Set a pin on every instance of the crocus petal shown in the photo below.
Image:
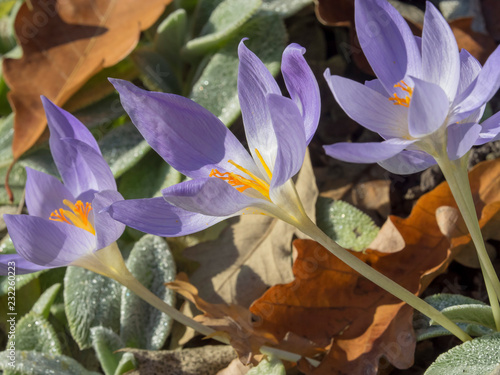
(469, 69)
(302, 87)
(209, 196)
(63, 124)
(48, 243)
(461, 137)
(440, 59)
(44, 193)
(387, 41)
(490, 130)
(408, 162)
(85, 169)
(186, 135)
(21, 265)
(370, 152)
(291, 139)
(368, 107)
(429, 107)
(107, 229)
(485, 85)
(157, 216)
(376, 84)
(254, 83)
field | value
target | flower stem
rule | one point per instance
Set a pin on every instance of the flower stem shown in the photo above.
(381, 280)
(130, 282)
(456, 175)
(109, 262)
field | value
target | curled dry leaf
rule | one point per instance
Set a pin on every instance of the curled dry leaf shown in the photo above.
(239, 325)
(64, 43)
(232, 320)
(329, 301)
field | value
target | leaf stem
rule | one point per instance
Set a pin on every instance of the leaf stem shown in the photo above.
(309, 228)
(456, 175)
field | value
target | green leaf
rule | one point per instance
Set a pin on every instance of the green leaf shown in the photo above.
(477, 357)
(143, 326)
(90, 300)
(156, 72)
(170, 37)
(36, 363)
(7, 247)
(106, 343)
(284, 8)
(216, 88)
(34, 332)
(8, 13)
(424, 330)
(270, 365)
(204, 9)
(44, 303)
(344, 223)
(122, 148)
(127, 363)
(17, 178)
(224, 20)
(145, 180)
(472, 314)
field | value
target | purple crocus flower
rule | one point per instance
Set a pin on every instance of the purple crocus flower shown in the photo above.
(66, 224)
(227, 180)
(427, 99)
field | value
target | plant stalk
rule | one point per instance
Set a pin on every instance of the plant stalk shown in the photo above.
(455, 173)
(381, 280)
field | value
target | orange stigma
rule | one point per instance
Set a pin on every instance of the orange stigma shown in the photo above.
(405, 102)
(241, 183)
(78, 216)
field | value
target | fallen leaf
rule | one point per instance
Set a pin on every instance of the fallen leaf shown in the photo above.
(235, 321)
(478, 44)
(64, 43)
(329, 301)
(251, 254)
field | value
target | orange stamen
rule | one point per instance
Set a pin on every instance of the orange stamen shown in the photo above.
(405, 102)
(78, 216)
(241, 183)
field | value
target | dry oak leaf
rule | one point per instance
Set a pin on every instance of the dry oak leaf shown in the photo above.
(233, 320)
(64, 43)
(329, 301)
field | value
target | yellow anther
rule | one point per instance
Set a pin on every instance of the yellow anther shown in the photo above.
(241, 183)
(78, 216)
(405, 102)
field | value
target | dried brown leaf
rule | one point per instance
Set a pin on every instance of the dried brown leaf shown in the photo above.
(64, 43)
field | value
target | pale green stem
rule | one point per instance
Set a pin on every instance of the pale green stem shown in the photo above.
(140, 290)
(456, 175)
(109, 262)
(309, 228)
